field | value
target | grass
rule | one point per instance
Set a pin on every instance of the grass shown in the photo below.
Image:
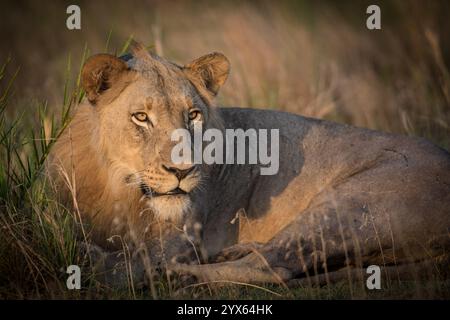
(38, 234)
(312, 59)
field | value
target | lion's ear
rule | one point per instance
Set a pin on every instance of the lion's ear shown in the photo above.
(99, 73)
(212, 70)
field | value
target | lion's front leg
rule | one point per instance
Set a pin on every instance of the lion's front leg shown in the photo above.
(236, 252)
(320, 239)
(326, 237)
(288, 254)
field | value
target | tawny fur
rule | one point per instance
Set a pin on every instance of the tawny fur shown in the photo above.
(343, 196)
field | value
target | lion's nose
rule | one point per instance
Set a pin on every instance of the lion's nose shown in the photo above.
(179, 173)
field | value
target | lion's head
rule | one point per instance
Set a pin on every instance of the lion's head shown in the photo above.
(121, 139)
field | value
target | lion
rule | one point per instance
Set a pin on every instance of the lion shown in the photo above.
(344, 197)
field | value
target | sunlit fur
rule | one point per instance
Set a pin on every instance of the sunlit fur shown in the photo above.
(104, 158)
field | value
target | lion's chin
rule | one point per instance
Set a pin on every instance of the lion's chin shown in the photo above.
(170, 207)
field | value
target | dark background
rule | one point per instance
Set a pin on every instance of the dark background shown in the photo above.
(316, 58)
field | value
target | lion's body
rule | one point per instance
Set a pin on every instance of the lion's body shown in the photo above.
(397, 176)
(343, 196)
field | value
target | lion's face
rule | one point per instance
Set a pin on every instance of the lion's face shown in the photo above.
(137, 110)
(141, 121)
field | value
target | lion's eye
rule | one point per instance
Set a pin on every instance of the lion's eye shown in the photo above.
(140, 118)
(195, 115)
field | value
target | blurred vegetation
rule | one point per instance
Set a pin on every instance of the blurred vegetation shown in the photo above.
(314, 58)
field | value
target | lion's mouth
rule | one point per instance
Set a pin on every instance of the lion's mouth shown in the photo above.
(147, 191)
(171, 192)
